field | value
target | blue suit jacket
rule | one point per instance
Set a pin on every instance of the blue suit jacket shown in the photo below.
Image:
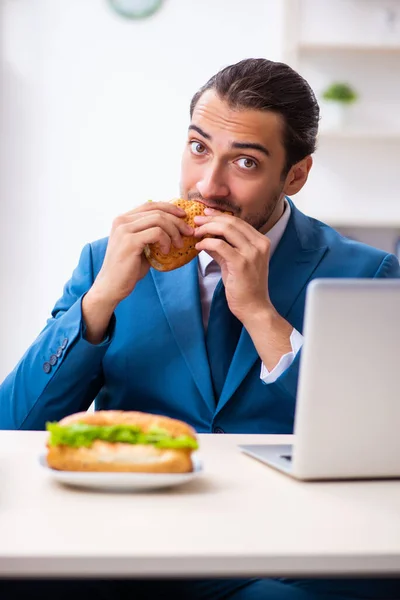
(154, 358)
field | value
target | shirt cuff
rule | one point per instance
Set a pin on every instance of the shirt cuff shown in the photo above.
(296, 341)
(109, 334)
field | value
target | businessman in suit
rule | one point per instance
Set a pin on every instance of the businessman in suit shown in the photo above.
(217, 342)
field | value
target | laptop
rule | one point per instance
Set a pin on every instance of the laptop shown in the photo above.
(347, 420)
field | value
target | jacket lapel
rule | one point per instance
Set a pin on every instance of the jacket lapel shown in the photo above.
(292, 264)
(179, 295)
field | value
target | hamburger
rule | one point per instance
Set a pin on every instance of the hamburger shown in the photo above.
(120, 441)
(177, 257)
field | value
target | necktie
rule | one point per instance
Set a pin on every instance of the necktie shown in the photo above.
(222, 336)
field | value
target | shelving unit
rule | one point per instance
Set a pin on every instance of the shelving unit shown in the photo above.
(353, 185)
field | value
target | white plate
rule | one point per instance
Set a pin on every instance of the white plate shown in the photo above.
(122, 481)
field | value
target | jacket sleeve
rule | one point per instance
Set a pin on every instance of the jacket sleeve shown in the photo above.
(287, 382)
(61, 372)
(389, 268)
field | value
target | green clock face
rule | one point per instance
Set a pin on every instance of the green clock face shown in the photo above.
(135, 9)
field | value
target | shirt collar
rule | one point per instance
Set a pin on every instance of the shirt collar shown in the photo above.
(208, 264)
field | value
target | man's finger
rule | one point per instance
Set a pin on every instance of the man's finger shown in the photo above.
(228, 231)
(220, 248)
(247, 230)
(181, 225)
(152, 220)
(164, 206)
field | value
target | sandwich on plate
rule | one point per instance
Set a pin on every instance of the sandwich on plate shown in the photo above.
(121, 441)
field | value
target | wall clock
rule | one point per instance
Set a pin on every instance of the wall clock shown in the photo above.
(136, 9)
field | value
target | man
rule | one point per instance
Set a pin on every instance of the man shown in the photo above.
(134, 338)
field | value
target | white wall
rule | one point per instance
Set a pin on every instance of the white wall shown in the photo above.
(93, 115)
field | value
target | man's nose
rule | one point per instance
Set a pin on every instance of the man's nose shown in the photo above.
(213, 183)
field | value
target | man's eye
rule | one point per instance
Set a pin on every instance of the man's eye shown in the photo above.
(197, 148)
(247, 163)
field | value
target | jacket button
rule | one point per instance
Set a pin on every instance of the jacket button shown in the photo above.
(218, 430)
(53, 360)
(64, 344)
(59, 352)
(46, 367)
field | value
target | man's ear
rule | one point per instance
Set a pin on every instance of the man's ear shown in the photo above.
(297, 176)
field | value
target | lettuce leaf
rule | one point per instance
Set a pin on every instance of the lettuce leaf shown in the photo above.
(81, 434)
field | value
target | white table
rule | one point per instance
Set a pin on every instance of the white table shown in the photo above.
(241, 518)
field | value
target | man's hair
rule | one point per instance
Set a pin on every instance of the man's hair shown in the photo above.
(261, 84)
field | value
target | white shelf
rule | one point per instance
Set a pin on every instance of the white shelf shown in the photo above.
(348, 134)
(348, 222)
(337, 223)
(321, 47)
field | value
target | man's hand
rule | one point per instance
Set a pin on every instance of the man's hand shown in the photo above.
(243, 254)
(125, 264)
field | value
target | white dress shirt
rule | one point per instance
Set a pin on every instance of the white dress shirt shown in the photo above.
(209, 276)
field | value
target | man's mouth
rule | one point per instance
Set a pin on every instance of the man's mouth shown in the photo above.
(210, 204)
(215, 206)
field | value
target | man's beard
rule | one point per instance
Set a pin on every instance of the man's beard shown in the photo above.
(256, 220)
